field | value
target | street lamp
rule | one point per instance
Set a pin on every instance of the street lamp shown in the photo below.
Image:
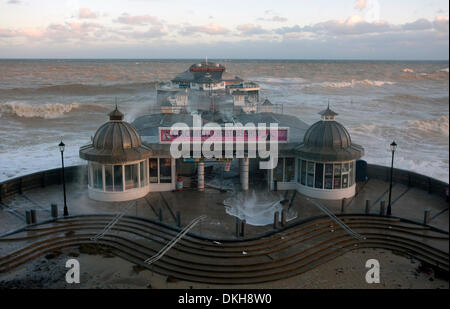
(61, 148)
(393, 148)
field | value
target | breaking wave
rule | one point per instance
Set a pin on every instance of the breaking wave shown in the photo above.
(444, 70)
(82, 89)
(46, 111)
(435, 125)
(355, 83)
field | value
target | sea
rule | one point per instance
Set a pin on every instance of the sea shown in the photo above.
(45, 101)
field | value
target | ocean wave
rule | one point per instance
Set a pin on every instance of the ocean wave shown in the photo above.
(354, 83)
(82, 89)
(435, 125)
(408, 70)
(279, 80)
(444, 70)
(46, 111)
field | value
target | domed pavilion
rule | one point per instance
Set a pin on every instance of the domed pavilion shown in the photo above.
(117, 161)
(327, 160)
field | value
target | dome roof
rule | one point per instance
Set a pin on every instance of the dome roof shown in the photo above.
(327, 135)
(116, 141)
(328, 140)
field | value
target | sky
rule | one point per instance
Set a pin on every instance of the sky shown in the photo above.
(232, 29)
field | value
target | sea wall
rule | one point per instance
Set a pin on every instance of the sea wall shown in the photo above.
(79, 174)
(41, 179)
(411, 179)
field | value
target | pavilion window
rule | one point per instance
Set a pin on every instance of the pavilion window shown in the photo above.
(328, 176)
(143, 174)
(97, 172)
(299, 170)
(118, 186)
(290, 170)
(352, 173)
(303, 175)
(153, 170)
(345, 172)
(278, 171)
(318, 183)
(337, 176)
(89, 175)
(310, 171)
(165, 170)
(109, 180)
(131, 176)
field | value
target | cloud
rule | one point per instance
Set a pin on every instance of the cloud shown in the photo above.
(85, 13)
(14, 2)
(360, 4)
(251, 29)
(420, 24)
(273, 19)
(211, 29)
(441, 23)
(138, 20)
(354, 25)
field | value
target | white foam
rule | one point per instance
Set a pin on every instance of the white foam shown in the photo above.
(435, 125)
(255, 209)
(444, 70)
(355, 83)
(46, 111)
(407, 70)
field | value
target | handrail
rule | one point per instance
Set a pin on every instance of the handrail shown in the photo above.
(174, 240)
(337, 220)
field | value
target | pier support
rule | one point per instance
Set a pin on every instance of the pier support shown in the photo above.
(283, 217)
(201, 176)
(54, 211)
(382, 208)
(276, 219)
(367, 207)
(343, 205)
(426, 216)
(243, 164)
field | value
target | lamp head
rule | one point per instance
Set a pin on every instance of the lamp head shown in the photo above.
(393, 146)
(61, 146)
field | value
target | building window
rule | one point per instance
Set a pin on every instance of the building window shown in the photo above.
(352, 174)
(328, 176)
(299, 170)
(318, 183)
(143, 174)
(109, 181)
(278, 171)
(310, 171)
(303, 176)
(131, 176)
(290, 170)
(118, 180)
(165, 170)
(345, 171)
(337, 176)
(153, 169)
(98, 176)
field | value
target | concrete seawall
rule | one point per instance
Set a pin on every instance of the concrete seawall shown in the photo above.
(78, 174)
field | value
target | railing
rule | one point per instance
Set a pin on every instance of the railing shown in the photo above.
(79, 174)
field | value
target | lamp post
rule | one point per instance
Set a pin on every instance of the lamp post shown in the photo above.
(61, 148)
(393, 148)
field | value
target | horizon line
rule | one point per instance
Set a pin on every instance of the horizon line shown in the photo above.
(225, 59)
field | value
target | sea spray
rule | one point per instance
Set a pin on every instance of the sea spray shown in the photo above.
(256, 208)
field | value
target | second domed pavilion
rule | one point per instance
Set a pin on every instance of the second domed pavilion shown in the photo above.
(327, 160)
